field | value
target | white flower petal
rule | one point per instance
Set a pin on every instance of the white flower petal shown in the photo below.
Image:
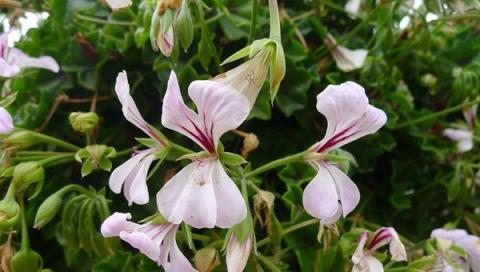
(17, 58)
(347, 190)
(6, 121)
(353, 6)
(190, 197)
(347, 59)
(116, 223)
(231, 208)
(132, 176)
(118, 4)
(320, 197)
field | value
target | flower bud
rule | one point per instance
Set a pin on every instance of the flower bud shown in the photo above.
(48, 209)
(238, 253)
(83, 121)
(429, 80)
(20, 140)
(27, 173)
(161, 27)
(9, 211)
(26, 260)
(184, 25)
(206, 259)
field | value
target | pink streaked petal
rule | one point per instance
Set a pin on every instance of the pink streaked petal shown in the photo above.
(349, 116)
(6, 121)
(231, 208)
(116, 223)
(17, 58)
(463, 138)
(320, 197)
(470, 115)
(177, 116)
(129, 108)
(220, 107)
(142, 242)
(189, 196)
(347, 190)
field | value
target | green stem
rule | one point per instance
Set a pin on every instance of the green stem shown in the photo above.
(49, 162)
(289, 229)
(275, 32)
(268, 263)
(54, 141)
(457, 17)
(102, 21)
(124, 152)
(277, 163)
(25, 239)
(180, 148)
(253, 21)
(438, 114)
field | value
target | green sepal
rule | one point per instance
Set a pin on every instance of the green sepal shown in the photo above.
(232, 159)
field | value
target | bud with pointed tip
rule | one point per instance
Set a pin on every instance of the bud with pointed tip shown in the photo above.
(27, 173)
(83, 121)
(20, 140)
(183, 25)
(48, 209)
(238, 253)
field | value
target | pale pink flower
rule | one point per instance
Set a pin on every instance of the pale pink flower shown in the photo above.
(238, 253)
(118, 4)
(469, 243)
(364, 261)
(347, 59)
(132, 174)
(156, 241)
(349, 115)
(353, 7)
(13, 60)
(462, 136)
(6, 121)
(202, 194)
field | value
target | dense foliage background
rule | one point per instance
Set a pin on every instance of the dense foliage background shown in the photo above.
(423, 61)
